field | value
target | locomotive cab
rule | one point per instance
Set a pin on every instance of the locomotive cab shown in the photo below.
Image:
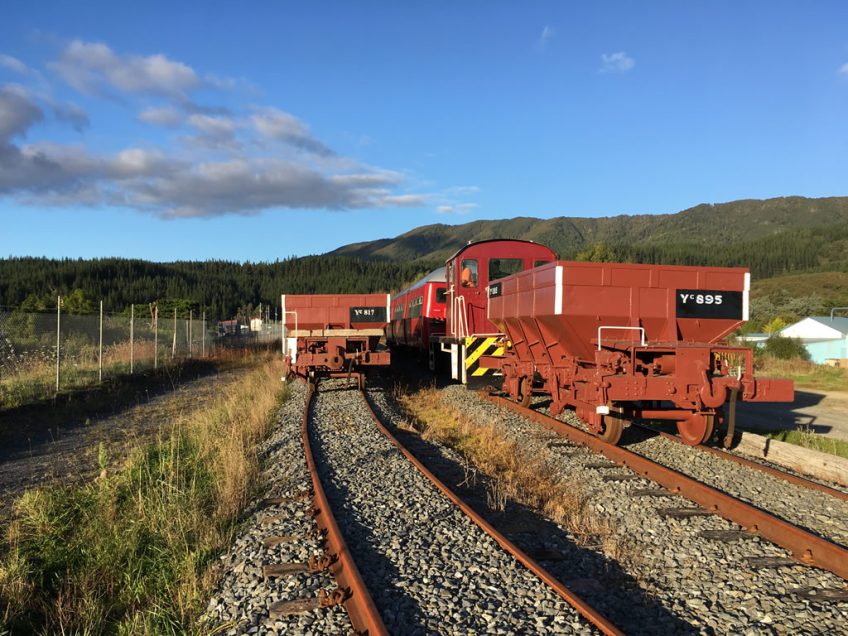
(470, 337)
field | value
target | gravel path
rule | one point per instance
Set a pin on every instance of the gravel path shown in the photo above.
(241, 601)
(429, 568)
(709, 584)
(69, 454)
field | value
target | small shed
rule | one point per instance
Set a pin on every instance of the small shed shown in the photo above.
(824, 337)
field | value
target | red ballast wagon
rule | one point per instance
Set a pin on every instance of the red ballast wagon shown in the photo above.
(334, 335)
(618, 342)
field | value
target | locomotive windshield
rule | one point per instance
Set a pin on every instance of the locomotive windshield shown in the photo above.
(503, 267)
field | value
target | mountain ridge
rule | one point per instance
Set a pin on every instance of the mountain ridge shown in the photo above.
(705, 224)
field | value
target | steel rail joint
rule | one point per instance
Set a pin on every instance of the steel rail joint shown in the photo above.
(354, 594)
(805, 546)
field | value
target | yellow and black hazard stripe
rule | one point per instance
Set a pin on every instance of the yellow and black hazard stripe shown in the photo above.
(482, 346)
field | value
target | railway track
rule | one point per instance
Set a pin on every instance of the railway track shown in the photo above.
(429, 568)
(762, 466)
(808, 546)
(703, 568)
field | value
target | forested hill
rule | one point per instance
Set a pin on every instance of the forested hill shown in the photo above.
(772, 236)
(222, 289)
(796, 248)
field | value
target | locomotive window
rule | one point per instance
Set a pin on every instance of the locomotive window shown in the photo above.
(398, 312)
(537, 263)
(502, 267)
(441, 295)
(468, 275)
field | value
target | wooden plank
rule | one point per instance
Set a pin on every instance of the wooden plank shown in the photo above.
(804, 460)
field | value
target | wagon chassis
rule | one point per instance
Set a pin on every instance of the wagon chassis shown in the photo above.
(687, 383)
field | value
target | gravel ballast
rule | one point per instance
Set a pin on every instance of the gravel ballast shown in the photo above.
(708, 583)
(242, 599)
(429, 568)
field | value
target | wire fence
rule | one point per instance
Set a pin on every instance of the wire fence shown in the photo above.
(42, 353)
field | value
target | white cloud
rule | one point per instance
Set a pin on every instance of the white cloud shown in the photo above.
(13, 64)
(166, 116)
(264, 158)
(843, 70)
(275, 124)
(458, 208)
(618, 62)
(18, 112)
(547, 35)
(92, 68)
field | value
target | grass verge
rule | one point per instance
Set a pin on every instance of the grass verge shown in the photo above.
(805, 374)
(515, 472)
(811, 440)
(130, 553)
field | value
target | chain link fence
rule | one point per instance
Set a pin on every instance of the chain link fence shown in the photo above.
(42, 353)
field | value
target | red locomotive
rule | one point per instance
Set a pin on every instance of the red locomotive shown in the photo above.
(418, 313)
(618, 342)
(334, 335)
(469, 334)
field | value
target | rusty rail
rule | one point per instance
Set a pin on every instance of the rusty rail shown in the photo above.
(579, 604)
(805, 546)
(356, 599)
(769, 470)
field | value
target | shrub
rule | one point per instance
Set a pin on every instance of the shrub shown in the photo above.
(786, 348)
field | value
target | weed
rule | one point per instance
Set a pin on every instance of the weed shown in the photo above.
(515, 473)
(132, 554)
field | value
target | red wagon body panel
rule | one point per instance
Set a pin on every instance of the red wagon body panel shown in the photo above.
(623, 338)
(334, 334)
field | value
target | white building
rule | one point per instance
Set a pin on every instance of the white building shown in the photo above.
(824, 337)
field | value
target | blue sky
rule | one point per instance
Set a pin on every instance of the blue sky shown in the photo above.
(260, 131)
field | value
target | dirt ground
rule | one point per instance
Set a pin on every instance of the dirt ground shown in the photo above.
(824, 412)
(68, 453)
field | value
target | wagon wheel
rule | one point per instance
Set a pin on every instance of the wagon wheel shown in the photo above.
(525, 391)
(696, 429)
(611, 426)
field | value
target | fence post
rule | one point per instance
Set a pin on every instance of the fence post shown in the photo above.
(190, 316)
(58, 336)
(132, 337)
(100, 348)
(174, 347)
(203, 342)
(156, 337)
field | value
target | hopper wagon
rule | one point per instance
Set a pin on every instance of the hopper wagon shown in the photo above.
(618, 342)
(334, 335)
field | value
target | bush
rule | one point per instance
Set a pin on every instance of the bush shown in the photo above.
(786, 348)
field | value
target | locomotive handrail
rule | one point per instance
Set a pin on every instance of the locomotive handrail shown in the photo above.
(602, 327)
(460, 321)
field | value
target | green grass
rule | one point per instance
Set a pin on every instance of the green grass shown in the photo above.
(130, 552)
(812, 441)
(805, 374)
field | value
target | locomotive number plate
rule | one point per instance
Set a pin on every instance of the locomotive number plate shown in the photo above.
(494, 290)
(368, 314)
(706, 303)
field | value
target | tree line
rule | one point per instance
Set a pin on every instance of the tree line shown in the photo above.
(222, 289)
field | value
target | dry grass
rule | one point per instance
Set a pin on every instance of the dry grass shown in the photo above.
(514, 472)
(131, 553)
